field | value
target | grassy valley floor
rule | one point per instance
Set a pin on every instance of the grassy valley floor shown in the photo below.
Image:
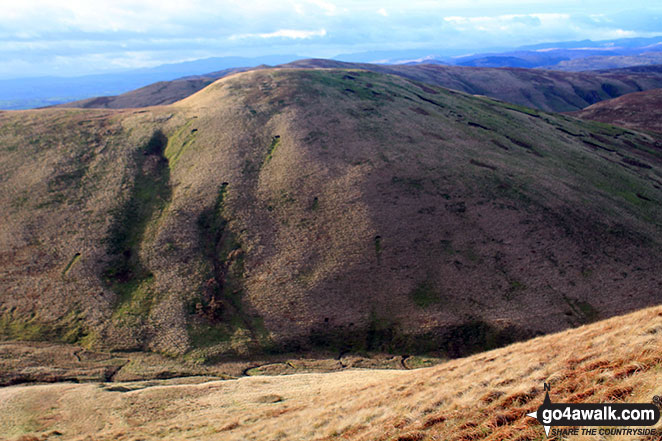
(485, 396)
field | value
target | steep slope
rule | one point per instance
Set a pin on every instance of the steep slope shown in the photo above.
(639, 111)
(283, 210)
(541, 89)
(485, 397)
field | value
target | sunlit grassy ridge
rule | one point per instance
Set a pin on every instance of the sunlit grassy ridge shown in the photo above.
(485, 396)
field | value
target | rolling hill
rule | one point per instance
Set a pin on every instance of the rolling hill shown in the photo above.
(162, 92)
(638, 111)
(573, 56)
(292, 209)
(541, 89)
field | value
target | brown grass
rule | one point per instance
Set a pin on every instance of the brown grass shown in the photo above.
(637, 110)
(365, 404)
(345, 223)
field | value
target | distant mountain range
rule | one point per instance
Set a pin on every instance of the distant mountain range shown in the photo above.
(25, 93)
(574, 56)
(541, 89)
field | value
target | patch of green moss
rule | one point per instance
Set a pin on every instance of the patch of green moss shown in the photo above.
(417, 361)
(218, 315)
(607, 129)
(514, 287)
(584, 310)
(348, 82)
(472, 255)
(125, 273)
(179, 142)
(412, 185)
(521, 109)
(425, 295)
(71, 263)
(70, 328)
(136, 298)
(272, 148)
(378, 248)
(315, 204)
(588, 311)
(204, 335)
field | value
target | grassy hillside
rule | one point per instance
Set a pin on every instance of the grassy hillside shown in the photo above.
(486, 396)
(541, 89)
(638, 111)
(292, 210)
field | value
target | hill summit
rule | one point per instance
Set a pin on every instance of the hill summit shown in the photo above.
(284, 210)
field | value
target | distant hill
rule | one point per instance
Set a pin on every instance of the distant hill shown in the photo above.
(609, 62)
(639, 111)
(573, 56)
(26, 93)
(284, 210)
(545, 90)
(163, 92)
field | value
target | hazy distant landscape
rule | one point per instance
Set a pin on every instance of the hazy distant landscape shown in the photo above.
(398, 242)
(26, 93)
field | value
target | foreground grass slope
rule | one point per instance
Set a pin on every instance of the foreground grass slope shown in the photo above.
(288, 210)
(485, 396)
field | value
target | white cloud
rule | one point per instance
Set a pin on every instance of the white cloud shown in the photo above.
(129, 32)
(295, 34)
(511, 22)
(327, 7)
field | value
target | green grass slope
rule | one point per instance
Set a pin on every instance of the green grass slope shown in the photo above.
(288, 210)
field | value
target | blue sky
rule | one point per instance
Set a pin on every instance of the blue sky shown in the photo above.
(76, 37)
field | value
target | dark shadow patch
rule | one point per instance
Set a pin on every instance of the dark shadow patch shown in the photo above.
(473, 124)
(597, 146)
(426, 89)
(499, 144)
(567, 132)
(635, 162)
(419, 111)
(125, 272)
(434, 103)
(524, 144)
(482, 164)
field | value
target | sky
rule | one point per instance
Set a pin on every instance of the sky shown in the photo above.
(78, 37)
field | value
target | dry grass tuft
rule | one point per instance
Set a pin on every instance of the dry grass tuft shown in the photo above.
(433, 421)
(413, 436)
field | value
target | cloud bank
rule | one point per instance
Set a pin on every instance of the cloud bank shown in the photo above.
(70, 37)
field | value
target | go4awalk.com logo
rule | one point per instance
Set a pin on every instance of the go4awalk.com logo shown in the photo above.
(605, 415)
